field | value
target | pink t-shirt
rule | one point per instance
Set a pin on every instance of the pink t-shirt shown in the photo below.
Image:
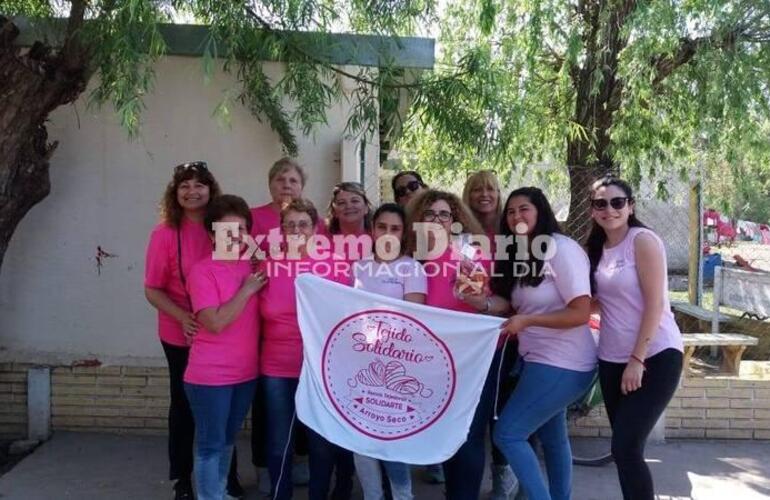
(394, 279)
(566, 280)
(442, 275)
(281, 338)
(620, 297)
(230, 356)
(162, 270)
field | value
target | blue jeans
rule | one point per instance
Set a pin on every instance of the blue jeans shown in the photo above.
(281, 424)
(218, 412)
(465, 469)
(370, 477)
(538, 406)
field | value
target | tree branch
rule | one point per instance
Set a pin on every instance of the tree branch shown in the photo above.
(666, 64)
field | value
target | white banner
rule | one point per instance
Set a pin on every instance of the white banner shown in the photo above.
(387, 378)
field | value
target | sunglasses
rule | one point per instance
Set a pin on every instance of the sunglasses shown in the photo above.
(441, 215)
(195, 166)
(410, 187)
(617, 203)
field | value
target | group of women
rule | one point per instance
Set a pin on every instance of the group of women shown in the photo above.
(230, 334)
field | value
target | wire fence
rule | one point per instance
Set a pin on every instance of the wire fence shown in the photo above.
(665, 206)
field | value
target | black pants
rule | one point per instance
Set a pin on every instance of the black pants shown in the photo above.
(181, 426)
(634, 415)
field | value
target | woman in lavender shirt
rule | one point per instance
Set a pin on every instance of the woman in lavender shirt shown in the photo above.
(545, 281)
(640, 345)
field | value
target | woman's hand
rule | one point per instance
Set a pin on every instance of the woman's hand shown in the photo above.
(632, 377)
(476, 301)
(189, 327)
(515, 324)
(254, 282)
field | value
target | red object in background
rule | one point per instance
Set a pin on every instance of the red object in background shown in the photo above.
(724, 228)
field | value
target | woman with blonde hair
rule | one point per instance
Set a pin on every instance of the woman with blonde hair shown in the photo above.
(482, 195)
(349, 211)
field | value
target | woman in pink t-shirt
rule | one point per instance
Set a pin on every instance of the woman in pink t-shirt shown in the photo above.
(180, 235)
(222, 370)
(281, 350)
(640, 345)
(545, 281)
(349, 211)
(286, 181)
(433, 217)
(482, 195)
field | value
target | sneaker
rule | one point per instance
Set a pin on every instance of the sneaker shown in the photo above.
(183, 490)
(434, 474)
(300, 473)
(234, 488)
(504, 483)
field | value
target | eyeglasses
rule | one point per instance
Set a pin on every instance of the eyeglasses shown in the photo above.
(410, 187)
(441, 216)
(195, 166)
(616, 203)
(301, 225)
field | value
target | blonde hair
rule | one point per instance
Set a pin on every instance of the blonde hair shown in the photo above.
(460, 213)
(479, 179)
(283, 165)
(332, 222)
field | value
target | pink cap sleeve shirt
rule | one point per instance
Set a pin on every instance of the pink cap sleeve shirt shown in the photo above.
(162, 270)
(622, 304)
(567, 279)
(230, 356)
(281, 339)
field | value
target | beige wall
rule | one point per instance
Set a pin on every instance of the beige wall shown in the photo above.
(104, 193)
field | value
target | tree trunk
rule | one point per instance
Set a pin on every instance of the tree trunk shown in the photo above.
(33, 82)
(590, 157)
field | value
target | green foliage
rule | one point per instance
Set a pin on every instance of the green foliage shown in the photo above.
(536, 76)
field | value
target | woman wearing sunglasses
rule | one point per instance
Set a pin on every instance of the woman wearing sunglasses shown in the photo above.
(406, 186)
(640, 345)
(176, 243)
(433, 216)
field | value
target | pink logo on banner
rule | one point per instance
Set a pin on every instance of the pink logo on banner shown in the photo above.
(387, 374)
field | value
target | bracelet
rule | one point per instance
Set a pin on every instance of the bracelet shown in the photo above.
(487, 306)
(640, 360)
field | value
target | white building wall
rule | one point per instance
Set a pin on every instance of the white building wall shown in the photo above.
(105, 191)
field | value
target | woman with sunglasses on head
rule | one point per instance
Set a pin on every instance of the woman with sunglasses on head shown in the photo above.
(406, 185)
(281, 353)
(482, 195)
(222, 370)
(432, 218)
(392, 273)
(640, 345)
(545, 281)
(349, 211)
(176, 243)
